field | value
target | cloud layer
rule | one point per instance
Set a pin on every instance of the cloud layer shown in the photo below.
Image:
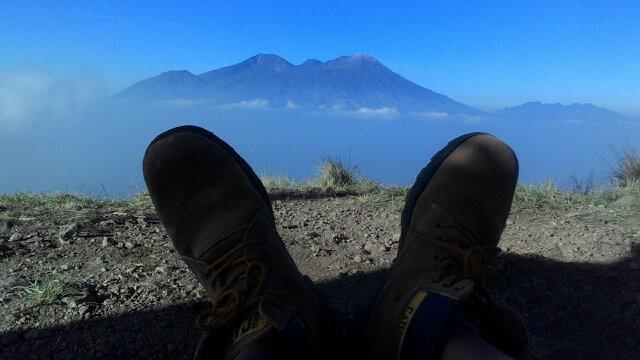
(29, 96)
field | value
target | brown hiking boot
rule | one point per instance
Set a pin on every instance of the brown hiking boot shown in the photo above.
(450, 227)
(219, 217)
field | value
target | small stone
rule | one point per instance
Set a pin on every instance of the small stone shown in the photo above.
(106, 241)
(15, 237)
(70, 302)
(106, 223)
(83, 310)
(64, 267)
(313, 234)
(357, 258)
(67, 231)
(395, 238)
(373, 248)
(340, 238)
(128, 245)
(16, 281)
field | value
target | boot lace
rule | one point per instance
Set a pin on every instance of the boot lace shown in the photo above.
(466, 260)
(242, 281)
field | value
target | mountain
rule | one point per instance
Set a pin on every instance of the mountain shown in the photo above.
(168, 85)
(346, 83)
(574, 112)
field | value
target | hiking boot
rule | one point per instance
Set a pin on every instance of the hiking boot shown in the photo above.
(219, 217)
(450, 227)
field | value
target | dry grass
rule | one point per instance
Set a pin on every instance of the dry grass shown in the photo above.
(627, 172)
(336, 174)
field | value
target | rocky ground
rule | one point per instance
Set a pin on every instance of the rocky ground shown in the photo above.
(94, 279)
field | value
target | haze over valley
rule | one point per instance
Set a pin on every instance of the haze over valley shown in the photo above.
(284, 118)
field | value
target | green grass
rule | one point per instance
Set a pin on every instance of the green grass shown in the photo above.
(333, 174)
(275, 183)
(42, 294)
(550, 196)
(345, 179)
(27, 204)
(535, 197)
(336, 174)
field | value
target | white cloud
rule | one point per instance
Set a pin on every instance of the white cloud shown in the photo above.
(381, 112)
(291, 105)
(435, 115)
(179, 102)
(30, 96)
(252, 104)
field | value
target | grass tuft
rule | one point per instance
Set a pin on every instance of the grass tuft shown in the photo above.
(276, 183)
(335, 174)
(42, 294)
(627, 173)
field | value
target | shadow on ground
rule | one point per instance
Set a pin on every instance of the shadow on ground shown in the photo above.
(574, 310)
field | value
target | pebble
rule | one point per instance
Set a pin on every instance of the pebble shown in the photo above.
(67, 231)
(374, 248)
(128, 245)
(106, 241)
(15, 237)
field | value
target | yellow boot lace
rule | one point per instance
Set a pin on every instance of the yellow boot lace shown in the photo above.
(467, 260)
(242, 278)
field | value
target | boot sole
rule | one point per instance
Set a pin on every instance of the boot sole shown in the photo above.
(253, 178)
(423, 178)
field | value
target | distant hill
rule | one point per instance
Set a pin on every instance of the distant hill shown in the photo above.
(346, 83)
(575, 112)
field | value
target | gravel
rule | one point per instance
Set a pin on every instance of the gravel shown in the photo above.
(573, 274)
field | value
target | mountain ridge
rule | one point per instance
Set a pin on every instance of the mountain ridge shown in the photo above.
(346, 83)
(533, 110)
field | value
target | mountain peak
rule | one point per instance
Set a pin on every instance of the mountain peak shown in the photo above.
(177, 73)
(357, 58)
(311, 62)
(269, 60)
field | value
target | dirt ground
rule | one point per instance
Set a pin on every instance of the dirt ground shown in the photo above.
(104, 282)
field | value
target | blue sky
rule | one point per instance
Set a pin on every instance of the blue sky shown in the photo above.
(487, 54)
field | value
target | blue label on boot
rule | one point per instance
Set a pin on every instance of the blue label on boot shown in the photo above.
(422, 324)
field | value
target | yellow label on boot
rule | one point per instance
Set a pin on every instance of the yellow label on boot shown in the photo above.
(406, 316)
(254, 322)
